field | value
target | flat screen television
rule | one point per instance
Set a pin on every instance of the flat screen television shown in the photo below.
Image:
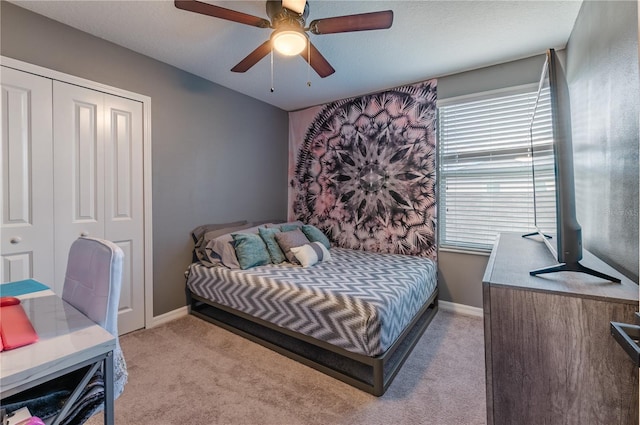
(552, 172)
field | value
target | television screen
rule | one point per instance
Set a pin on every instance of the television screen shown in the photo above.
(552, 172)
(542, 161)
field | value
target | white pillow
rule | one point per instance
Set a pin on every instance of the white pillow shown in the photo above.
(310, 254)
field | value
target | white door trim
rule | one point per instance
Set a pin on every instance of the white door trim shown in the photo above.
(146, 113)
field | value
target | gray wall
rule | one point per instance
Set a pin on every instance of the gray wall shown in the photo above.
(460, 274)
(602, 72)
(213, 160)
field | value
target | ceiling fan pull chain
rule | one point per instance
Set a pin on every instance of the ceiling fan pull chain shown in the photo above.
(308, 61)
(272, 88)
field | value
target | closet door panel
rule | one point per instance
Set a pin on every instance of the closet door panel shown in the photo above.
(27, 186)
(79, 169)
(127, 308)
(17, 266)
(124, 202)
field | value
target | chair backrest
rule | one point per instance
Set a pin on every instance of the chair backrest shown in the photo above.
(93, 280)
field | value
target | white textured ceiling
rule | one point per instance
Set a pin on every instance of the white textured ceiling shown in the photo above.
(428, 39)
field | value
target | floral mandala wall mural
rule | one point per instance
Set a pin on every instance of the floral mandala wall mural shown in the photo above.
(363, 170)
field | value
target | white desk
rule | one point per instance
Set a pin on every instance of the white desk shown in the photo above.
(68, 340)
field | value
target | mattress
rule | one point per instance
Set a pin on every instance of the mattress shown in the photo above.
(360, 301)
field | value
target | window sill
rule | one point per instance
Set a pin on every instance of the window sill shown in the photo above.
(469, 251)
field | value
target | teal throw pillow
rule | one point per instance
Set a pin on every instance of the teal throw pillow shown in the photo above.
(250, 250)
(268, 235)
(315, 235)
(287, 227)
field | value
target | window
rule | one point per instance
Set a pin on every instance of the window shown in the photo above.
(485, 177)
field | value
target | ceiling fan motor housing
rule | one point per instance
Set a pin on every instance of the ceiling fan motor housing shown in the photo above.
(283, 17)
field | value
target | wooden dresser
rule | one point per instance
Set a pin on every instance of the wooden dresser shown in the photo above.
(550, 357)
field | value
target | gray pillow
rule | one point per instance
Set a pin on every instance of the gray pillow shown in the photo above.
(251, 250)
(221, 249)
(199, 231)
(212, 234)
(268, 235)
(201, 248)
(213, 231)
(291, 239)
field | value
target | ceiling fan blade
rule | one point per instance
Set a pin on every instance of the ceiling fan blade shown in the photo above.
(222, 13)
(360, 22)
(317, 61)
(253, 57)
(295, 5)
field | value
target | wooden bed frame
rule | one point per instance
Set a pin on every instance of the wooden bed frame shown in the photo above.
(370, 374)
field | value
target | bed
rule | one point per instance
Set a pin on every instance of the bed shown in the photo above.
(355, 316)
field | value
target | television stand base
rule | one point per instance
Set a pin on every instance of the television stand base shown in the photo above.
(526, 235)
(573, 267)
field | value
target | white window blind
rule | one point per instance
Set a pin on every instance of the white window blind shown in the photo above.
(485, 167)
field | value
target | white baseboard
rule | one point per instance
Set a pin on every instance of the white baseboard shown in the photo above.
(169, 316)
(460, 308)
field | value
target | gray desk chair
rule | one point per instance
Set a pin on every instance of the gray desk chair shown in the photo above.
(93, 280)
(92, 285)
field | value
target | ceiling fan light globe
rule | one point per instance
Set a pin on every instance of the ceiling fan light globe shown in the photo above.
(289, 42)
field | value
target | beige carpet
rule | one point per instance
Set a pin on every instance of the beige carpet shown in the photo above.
(189, 371)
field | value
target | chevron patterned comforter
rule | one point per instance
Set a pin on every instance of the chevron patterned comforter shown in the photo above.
(359, 301)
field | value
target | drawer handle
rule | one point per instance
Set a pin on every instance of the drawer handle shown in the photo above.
(85, 233)
(15, 240)
(627, 336)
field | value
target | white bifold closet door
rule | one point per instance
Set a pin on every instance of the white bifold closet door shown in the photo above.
(98, 175)
(27, 183)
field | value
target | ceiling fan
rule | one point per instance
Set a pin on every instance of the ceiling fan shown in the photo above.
(289, 36)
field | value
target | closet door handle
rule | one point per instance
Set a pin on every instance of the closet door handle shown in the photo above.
(15, 240)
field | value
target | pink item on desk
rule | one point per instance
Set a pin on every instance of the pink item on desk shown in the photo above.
(15, 328)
